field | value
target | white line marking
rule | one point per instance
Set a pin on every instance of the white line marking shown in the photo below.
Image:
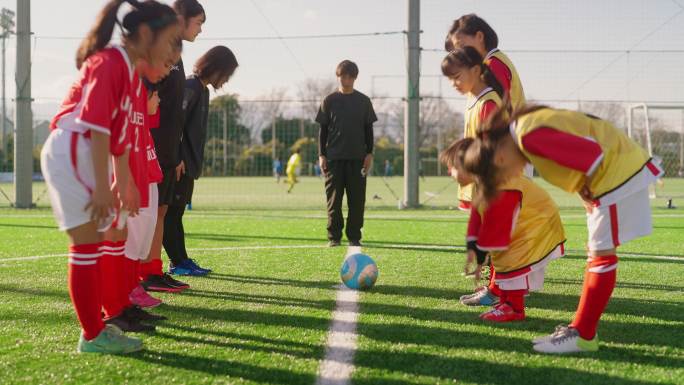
(369, 245)
(338, 364)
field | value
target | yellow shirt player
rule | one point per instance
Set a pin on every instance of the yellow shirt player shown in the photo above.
(582, 154)
(469, 76)
(293, 169)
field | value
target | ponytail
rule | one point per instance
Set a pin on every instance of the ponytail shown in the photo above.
(492, 81)
(156, 15)
(101, 33)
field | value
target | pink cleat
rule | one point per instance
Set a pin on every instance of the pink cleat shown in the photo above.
(140, 297)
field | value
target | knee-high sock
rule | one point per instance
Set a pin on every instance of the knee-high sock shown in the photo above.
(84, 287)
(493, 287)
(112, 278)
(599, 281)
(515, 298)
(153, 267)
(131, 267)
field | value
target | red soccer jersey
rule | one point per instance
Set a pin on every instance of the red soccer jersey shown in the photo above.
(100, 99)
(154, 169)
(138, 156)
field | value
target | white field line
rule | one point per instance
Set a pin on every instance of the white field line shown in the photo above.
(323, 216)
(338, 364)
(369, 245)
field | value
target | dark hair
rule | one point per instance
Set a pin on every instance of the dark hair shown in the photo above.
(189, 8)
(468, 57)
(156, 15)
(218, 61)
(347, 67)
(454, 155)
(469, 25)
(479, 157)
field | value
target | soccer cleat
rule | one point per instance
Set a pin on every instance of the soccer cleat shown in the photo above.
(187, 268)
(482, 297)
(126, 323)
(355, 243)
(174, 282)
(136, 313)
(110, 341)
(560, 329)
(195, 266)
(566, 341)
(502, 313)
(333, 243)
(140, 297)
(160, 284)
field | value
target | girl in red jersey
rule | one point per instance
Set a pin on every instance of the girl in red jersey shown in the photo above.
(90, 131)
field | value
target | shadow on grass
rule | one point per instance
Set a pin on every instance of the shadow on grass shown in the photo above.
(462, 370)
(15, 225)
(624, 285)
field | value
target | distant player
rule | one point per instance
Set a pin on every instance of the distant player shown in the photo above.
(89, 132)
(581, 154)
(293, 169)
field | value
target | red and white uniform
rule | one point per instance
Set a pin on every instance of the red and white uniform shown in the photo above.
(98, 101)
(141, 228)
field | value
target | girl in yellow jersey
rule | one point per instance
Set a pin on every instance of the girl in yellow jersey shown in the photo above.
(292, 170)
(580, 154)
(472, 31)
(470, 77)
(518, 225)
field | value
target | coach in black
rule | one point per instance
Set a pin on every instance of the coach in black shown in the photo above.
(345, 149)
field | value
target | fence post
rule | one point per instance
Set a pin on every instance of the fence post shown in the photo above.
(225, 141)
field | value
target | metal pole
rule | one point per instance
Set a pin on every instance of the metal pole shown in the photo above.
(439, 129)
(4, 107)
(23, 134)
(681, 147)
(411, 110)
(273, 138)
(225, 141)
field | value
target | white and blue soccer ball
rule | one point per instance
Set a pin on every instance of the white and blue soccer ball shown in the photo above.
(359, 272)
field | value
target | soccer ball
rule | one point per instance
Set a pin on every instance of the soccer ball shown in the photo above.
(359, 272)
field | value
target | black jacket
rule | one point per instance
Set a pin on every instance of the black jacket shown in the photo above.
(196, 111)
(167, 135)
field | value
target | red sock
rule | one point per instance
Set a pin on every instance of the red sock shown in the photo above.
(112, 275)
(599, 281)
(131, 273)
(493, 287)
(515, 298)
(84, 287)
(153, 267)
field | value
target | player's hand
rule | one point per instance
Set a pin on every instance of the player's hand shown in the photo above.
(180, 170)
(477, 275)
(470, 263)
(367, 161)
(153, 103)
(101, 204)
(323, 162)
(130, 199)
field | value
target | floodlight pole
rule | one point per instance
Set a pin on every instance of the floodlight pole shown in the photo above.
(23, 117)
(412, 105)
(7, 24)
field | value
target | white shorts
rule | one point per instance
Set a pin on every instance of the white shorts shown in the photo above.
(615, 224)
(532, 277)
(67, 166)
(141, 228)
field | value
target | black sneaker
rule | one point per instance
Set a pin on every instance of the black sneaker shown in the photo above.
(174, 282)
(129, 324)
(158, 283)
(135, 312)
(333, 243)
(355, 243)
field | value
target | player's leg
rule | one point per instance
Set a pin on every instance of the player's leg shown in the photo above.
(334, 191)
(355, 185)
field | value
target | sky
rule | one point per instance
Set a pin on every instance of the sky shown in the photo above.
(525, 27)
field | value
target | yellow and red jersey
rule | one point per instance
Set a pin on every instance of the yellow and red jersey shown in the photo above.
(519, 228)
(571, 149)
(504, 71)
(477, 111)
